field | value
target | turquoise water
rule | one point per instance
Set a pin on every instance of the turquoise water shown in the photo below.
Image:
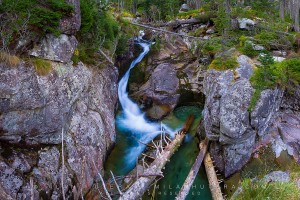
(176, 170)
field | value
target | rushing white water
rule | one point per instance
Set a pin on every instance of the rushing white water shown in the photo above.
(132, 118)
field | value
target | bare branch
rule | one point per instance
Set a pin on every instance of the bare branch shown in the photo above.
(102, 181)
(118, 188)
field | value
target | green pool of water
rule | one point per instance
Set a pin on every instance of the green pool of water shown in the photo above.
(177, 169)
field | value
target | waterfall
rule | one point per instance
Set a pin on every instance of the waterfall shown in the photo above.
(132, 118)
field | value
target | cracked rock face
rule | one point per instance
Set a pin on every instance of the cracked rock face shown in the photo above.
(227, 119)
(236, 133)
(34, 110)
(53, 48)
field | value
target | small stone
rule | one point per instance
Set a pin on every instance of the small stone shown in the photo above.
(279, 53)
(258, 47)
(277, 176)
(278, 59)
(184, 8)
(245, 23)
(210, 31)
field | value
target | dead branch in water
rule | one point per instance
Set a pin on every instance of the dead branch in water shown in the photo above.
(139, 187)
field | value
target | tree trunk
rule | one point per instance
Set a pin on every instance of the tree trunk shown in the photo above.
(181, 22)
(139, 187)
(212, 178)
(296, 15)
(282, 9)
(197, 4)
(184, 191)
(134, 6)
(227, 6)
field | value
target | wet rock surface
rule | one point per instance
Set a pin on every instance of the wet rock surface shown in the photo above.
(166, 78)
(34, 110)
(162, 87)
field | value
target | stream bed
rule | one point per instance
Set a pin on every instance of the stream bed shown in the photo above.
(134, 130)
(176, 170)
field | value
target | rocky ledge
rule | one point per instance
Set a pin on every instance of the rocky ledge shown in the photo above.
(34, 112)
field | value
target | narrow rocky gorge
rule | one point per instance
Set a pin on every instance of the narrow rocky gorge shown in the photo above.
(58, 128)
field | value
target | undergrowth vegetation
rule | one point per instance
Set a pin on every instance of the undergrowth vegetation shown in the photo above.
(98, 29)
(249, 50)
(285, 74)
(30, 19)
(224, 63)
(257, 190)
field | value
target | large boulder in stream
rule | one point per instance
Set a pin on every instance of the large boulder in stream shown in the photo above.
(159, 94)
(166, 78)
(34, 112)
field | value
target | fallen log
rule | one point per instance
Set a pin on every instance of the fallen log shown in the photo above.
(184, 191)
(139, 187)
(200, 19)
(165, 31)
(212, 178)
(179, 22)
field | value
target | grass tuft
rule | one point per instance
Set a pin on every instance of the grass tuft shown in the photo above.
(224, 63)
(8, 59)
(42, 67)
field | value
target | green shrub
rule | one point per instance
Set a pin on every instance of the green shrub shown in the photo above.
(211, 47)
(266, 59)
(274, 191)
(223, 63)
(189, 14)
(244, 13)
(248, 50)
(285, 74)
(42, 16)
(288, 73)
(266, 38)
(263, 78)
(122, 46)
(98, 29)
(242, 40)
(222, 21)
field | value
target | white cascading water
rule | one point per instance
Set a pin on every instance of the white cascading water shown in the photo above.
(133, 118)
